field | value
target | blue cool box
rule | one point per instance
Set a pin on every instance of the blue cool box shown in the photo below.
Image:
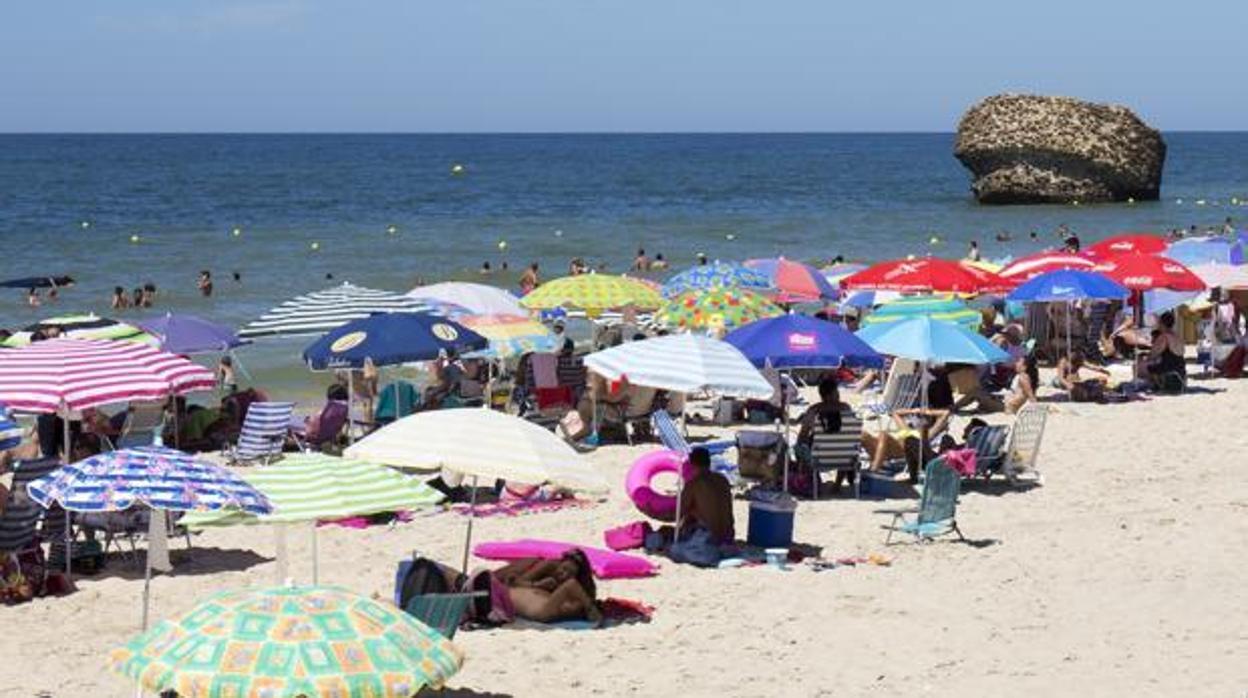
(771, 524)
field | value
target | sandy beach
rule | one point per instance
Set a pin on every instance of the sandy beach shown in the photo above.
(1120, 575)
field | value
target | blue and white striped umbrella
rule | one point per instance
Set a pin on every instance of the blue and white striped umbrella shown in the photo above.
(683, 363)
(319, 312)
(10, 430)
(716, 275)
(159, 477)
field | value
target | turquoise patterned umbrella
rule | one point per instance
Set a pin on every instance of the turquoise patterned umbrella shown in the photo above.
(717, 275)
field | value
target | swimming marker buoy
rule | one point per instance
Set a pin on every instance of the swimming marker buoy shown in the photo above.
(502, 244)
(643, 470)
(135, 239)
(315, 246)
(457, 169)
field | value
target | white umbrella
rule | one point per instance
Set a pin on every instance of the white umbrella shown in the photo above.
(683, 363)
(482, 444)
(1227, 276)
(479, 299)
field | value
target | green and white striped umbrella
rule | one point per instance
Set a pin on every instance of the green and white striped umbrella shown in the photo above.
(313, 486)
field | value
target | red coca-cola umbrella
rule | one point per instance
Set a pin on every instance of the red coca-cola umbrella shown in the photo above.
(1033, 265)
(1145, 272)
(1146, 243)
(930, 274)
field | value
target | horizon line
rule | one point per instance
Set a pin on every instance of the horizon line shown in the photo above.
(850, 132)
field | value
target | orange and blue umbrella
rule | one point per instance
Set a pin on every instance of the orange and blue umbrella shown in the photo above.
(795, 282)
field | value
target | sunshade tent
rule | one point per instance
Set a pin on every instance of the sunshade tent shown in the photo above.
(944, 308)
(38, 282)
(593, 293)
(1206, 250)
(1126, 243)
(160, 478)
(683, 363)
(82, 327)
(511, 335)
(795, 282)
(1033, 265)
(931, 274)
(286, 642)
(479, 299)
(319, 312)
(190, 334)
(717, 275)
(715, 309)
(799, 341)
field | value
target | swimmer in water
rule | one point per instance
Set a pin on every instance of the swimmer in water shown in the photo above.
(659, 264)
(485, 270)
(641, 262)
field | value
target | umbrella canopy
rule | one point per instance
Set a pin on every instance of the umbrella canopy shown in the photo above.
(716, 275)
(1069, 285)
(715, 308)
(799, 341)
(391, 338)
(794, 281)
(38, 282)
(868, 299)
(1230, 277)
(835, 272)
(1206, 250)
(593, 293)
(944, 308)
(159, 477)
(479, 443)
(932, 341)
(1043, 262)
(931, 274)
(1144, 243)
(190, 334)
(314, 486)
(319, 312)
(75, 374)
(683, 363)
(512, 335)
(81, 327)
(1145, 272)
(287, 642)
(478, 299)
(10, 430)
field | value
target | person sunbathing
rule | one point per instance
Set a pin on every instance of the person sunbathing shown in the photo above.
(1080, 389)
(1023, 386)
(545, 591)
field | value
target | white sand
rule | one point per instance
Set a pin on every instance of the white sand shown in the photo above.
(1122, 575)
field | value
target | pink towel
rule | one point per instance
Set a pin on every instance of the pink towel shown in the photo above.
(962, 460)
(545, 370)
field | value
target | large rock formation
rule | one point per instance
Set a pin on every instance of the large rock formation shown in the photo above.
(1026, 149)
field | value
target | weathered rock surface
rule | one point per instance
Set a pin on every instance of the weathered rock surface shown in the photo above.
(1027, 149)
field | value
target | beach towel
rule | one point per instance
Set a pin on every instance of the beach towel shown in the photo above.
(962, 460)
(615, 612)
(545, 370)
(521, 507)
(606, 564)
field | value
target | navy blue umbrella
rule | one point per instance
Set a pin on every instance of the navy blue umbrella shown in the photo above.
(38, 282)
(391, 338)
(1067, 286)
(799, 341)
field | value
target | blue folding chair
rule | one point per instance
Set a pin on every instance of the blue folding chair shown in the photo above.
(936, 515)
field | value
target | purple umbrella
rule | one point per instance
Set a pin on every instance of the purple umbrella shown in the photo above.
(190, 334)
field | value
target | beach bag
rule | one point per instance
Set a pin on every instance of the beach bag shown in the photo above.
(760, 454)
(417, 577)
(573, 425)
(1233, 365)
(1087, 391)
(627, 537)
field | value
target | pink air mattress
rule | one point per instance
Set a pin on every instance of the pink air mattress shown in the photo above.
(606, 563)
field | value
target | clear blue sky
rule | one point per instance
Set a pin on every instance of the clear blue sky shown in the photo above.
(604, 65)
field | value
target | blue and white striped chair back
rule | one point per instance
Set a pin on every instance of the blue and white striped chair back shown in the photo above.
(264, 430)
(10, 430)
(669, 432)
(21, 513)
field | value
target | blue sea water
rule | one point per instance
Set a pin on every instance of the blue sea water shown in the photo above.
(549, 197)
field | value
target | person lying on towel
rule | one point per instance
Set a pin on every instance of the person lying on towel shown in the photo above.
(545, 591)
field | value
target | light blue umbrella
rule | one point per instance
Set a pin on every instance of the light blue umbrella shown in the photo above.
(716, 275)
(931, 341)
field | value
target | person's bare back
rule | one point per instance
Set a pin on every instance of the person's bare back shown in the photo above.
(707, 501)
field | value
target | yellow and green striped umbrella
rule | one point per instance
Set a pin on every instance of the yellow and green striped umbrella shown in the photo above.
(942, 307)
(83, 327)
(287, 642)
(593, 293)
(314, 486)
(714, 309)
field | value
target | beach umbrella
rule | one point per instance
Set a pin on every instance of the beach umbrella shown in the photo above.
(945, 308)
(286, 642)
(1160, 300)
(929, 274)
(38, 282)
(1144, 243)
(190, 334)
(1068, 286)
(512, 335)
(835, 272)
(478, 299)
(480, 444)
(716, 275)
(800, 341)
(683, 363)
(593, 293)
(386, 339)
(1145, 272)
(1226, 276)
(1043, 262)
(931, 341)
(10, 430)
(322, 311)
(714, 309)
(1206, 250)
(81, 327)
(869, 299)
(795, 282)
(154, 476)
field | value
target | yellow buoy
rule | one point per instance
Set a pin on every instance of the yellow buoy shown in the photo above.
(1234, 200)
(315, 246)
(86, 224)
(558, 233)
(134, 238)
(457, 169)
(502, 244)
(1130, 199)
(392, 229)
(730, 237)
(909, 256)
(933, 240)
(236, 232)
(1179, 201)
(1200, 202)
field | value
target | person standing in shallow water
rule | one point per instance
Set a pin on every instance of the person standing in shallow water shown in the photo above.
(529, 280)
(205, 283)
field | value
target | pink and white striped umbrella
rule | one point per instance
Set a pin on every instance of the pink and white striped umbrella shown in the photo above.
(1033, 265)
(75, 374)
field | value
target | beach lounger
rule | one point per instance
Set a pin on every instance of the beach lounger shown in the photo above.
(938, 504)
(901, 391)
(988, 443)
(1024, 443)
(673, 439)
(264, 432)
(837, 452)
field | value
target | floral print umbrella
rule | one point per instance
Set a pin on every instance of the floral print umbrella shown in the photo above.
(706, 277)
(715, 309)
(286, 642)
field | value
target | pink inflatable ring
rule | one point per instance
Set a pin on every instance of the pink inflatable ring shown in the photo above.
(657, 506)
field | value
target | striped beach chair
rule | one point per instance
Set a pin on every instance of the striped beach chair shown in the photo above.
(264, 432)
(673, 439)
(988, 443)
(901, 391)
(938, 506)
(10, 430)
(839, 452)
(1023, 449)
(19, 523)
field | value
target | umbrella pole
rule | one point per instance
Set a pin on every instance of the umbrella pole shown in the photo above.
(350, 405)
(316, 562)
(1070, 309)
(279, 544)
(65, 451)
(472, 514)
(152, 532)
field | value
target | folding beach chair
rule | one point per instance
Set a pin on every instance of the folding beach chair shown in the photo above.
(421, 588)
(1024, 444)
(264, 432)
(839, 452)
(670, 435)
(988, 442)
(936, 515)
(901, 391)
(19, 523)
(325, 430)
